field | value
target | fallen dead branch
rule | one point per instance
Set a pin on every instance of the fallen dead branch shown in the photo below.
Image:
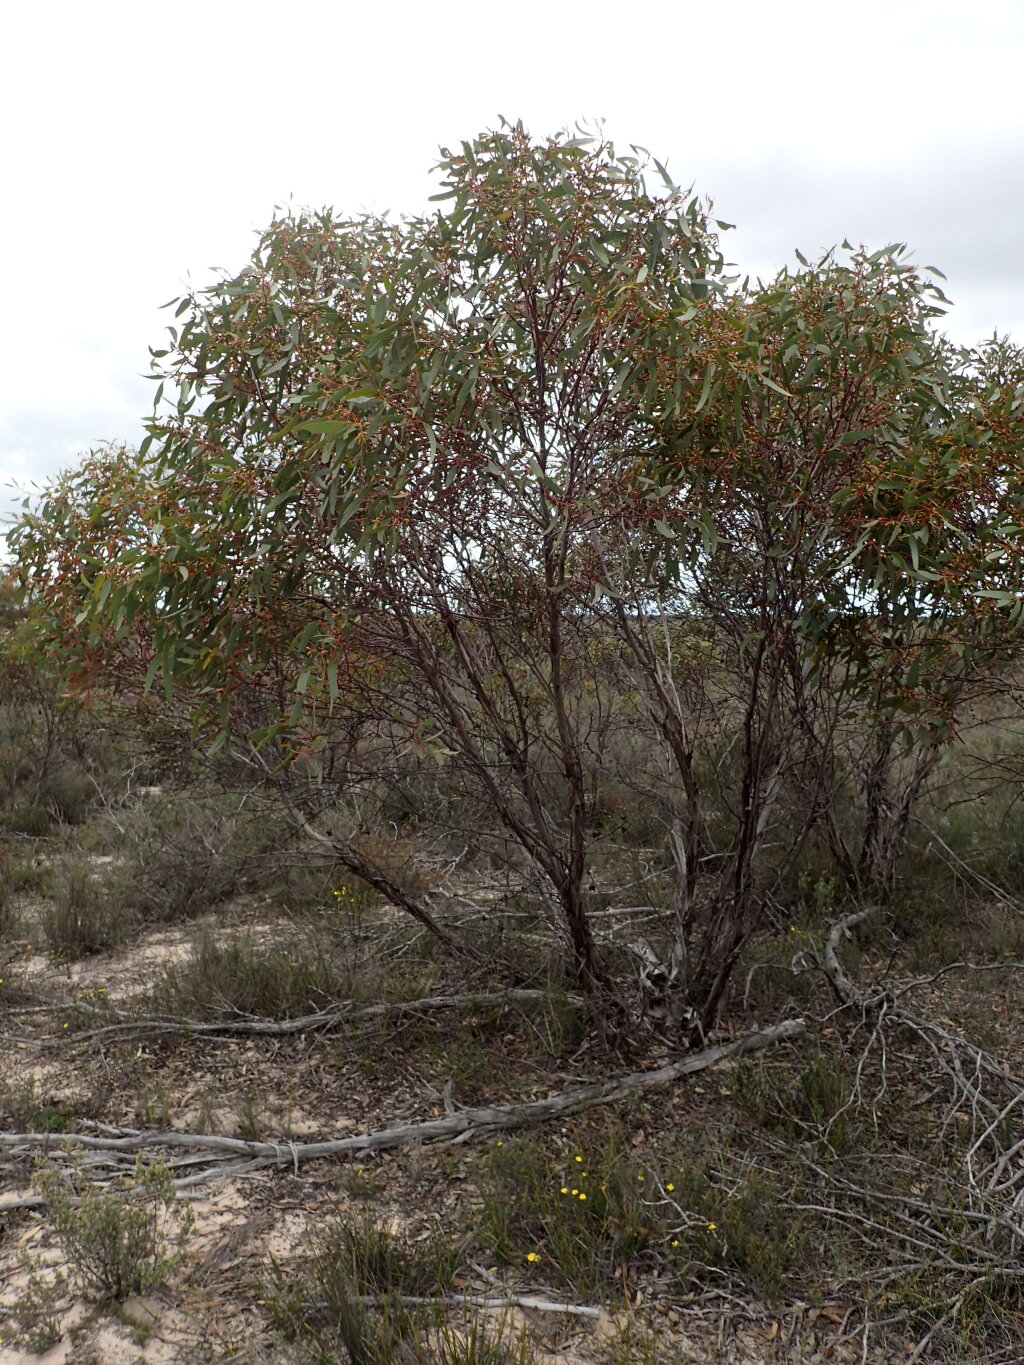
(226, 1156)
(320, 1022)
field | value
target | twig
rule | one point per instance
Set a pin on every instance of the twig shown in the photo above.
(475, 1301)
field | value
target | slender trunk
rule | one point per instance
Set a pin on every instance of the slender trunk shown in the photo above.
(735, 916)
(732, 921)
(667, 712)
(888, 808)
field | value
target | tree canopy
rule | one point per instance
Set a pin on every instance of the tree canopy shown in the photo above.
(493, 484)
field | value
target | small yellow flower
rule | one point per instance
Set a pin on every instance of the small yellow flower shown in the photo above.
(670, 1187)
(712, 1226)
(583, 1196)
(639, 1177)
(676, 1242)
(579, 1159)
(575, 1192)
(533, 1256)
(565, 1189)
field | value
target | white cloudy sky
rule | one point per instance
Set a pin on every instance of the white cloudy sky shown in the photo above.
(145, 143)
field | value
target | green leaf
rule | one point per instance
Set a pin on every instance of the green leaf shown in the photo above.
(705, 392)
(325, 428)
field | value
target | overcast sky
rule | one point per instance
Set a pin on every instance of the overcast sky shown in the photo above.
(144, 144)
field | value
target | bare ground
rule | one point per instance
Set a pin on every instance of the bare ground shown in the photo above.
(324, 1085)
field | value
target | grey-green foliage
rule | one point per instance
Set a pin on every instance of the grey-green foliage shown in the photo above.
(120, 1240)
(441, 483)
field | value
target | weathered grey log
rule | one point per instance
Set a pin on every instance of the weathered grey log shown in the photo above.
(454, 1127)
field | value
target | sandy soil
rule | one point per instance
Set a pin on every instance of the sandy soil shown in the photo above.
(309, 1087)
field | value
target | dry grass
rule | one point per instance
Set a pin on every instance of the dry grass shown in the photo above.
(766, 1208)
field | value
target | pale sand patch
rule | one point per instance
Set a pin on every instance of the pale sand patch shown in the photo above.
(290, 1235)
(57, 1355)
(120, 972)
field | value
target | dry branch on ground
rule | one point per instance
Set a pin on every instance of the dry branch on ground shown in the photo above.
(322, 1021)
(234, 1156)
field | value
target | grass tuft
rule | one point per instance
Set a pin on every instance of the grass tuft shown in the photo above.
(88, 913)
(225, 977)
(356, 1295)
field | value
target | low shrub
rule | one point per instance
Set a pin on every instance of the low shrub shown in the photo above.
(10, 917)
(740, 1223)
(68, 794)
(188, 852)
(812, 1103)
(364, 1253)
(120, 1241)
(34, 1313)
(597, 1219)
(578, 1218)
(25, 1108)
(31, 820)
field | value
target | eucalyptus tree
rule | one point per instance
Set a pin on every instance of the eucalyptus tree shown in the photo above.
(847, 493)
(456, 485)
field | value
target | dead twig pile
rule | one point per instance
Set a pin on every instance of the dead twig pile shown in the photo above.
(958, 1218)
